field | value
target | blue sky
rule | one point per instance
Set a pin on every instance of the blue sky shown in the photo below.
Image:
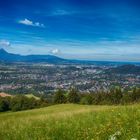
(75, 29)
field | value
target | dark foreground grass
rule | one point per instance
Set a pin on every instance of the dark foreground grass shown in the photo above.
(72, 122)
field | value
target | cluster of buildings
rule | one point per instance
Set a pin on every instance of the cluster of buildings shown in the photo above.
(48, 78)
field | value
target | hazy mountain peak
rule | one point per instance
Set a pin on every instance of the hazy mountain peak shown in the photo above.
(3, 51)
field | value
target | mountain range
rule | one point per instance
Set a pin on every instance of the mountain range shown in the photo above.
(9, 57)
(51, 59)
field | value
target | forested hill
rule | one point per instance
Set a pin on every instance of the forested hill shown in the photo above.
(126, 69)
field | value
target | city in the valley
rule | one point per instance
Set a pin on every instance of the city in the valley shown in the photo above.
(46, 78)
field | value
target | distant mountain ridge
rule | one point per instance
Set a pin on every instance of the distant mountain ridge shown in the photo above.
(9, 57)
(51, 59)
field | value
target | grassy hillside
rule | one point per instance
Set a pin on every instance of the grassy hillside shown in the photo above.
(72, 122)
(32, 96)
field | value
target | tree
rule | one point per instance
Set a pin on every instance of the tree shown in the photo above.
(135, 94)
(86, 99)
(127, 98)
(116, 95)
(59, 97)
(73, 96)
(21, 102)
(4, 104)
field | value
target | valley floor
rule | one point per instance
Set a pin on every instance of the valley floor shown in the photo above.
(72, 122)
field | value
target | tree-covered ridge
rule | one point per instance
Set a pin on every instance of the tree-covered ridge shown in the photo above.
(126, 69)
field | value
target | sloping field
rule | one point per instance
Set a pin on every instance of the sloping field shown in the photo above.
(32, 96)
(72, 122)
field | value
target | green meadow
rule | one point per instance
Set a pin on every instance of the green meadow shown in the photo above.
(72, 122)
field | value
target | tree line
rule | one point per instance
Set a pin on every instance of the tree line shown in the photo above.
(113, 97)
(20, 102)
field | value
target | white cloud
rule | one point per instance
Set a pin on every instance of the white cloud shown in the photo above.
(55, 51)
(31, 23)
(4, 43)
(26, 22)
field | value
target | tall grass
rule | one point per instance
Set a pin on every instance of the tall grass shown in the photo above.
(72, 122)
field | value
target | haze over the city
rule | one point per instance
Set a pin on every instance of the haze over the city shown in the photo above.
(103, 30)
